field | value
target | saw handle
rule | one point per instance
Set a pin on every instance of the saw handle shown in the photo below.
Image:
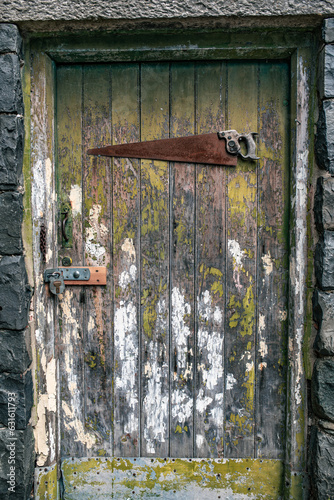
(233, 140)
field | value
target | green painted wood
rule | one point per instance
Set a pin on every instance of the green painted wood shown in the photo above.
(154, 254)
(182, 259)
(126, 268)
(96, 197)
(272, 280)
(166, 360)
(179, 479)
(241, 223)
(210, 269)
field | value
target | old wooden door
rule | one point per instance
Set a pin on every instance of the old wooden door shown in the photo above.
(173, 376)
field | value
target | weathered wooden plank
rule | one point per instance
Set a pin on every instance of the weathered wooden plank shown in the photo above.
(241, 268)
(210, 269)
(96, 185)
(126, 255)
(168, 479)
(76, 440)
(273, 237)
(182, 256)
(43, 214)
(154, 265)
(302, 81)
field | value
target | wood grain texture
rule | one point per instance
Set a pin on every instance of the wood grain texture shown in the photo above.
(210, 270)
(154, 266)
(182, 259)
(273, 178)
(96, 300)
(43, 212)
(76, 440)
(241, 224)
(126, 267)
(177, 345)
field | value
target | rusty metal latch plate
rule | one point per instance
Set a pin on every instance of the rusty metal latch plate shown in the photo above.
(83, 275)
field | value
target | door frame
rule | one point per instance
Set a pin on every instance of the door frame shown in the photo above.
(41, 56)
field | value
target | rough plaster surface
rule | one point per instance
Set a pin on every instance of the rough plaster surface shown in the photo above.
(43, 10)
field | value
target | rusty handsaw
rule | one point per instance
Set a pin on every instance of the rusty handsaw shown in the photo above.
(221, 148)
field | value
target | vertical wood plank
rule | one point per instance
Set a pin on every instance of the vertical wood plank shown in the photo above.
(154, 265)
(43, 212)
(76, 439)
(273, 236)
(126, 250)
(210, 265)
(241, 268)
(97, 242)
(182, 207)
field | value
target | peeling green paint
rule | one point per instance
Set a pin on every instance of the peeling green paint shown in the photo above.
(46, 486)
(171, 478)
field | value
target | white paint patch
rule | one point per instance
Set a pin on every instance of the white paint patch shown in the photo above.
(268, 263)
(76, 199)
(249, 366)
(156, 401)
(126, 347)
(200, 440)
(237, 254)
(41, 438)
(45, 442)
(127, 277)
(126, 341)
(262, 323)
(51, 385)
(181, 310)
(38, 188)
(129, 248)
(48, 173)
(230, 381)
(263, 349)
(73, 423)
(95, 234)
(210, 338)
(182, 406)
(202, 402)
(73, 409)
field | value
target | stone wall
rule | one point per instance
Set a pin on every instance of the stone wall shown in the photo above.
(17, 460)
(322, 432)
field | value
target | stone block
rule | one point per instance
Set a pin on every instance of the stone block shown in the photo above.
(15, 293)
(323, 388)
(11, 100)
(14, 351)
(328, 30)
(11, 150)
(323, 313)
(11, 214)
(324, 261)
(324, 144)
(23, 454)
(326, 72)
(10, 39)
(324, 204)
(19, 386)
(321, 464)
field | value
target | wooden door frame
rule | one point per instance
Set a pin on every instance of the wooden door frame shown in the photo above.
(41, 56)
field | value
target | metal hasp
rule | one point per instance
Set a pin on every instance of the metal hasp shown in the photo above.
(207, 149)
(61, 276)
